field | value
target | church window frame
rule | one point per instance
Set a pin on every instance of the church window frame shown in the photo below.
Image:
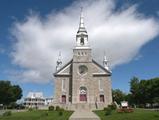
(100, 85)
(82, 69)
(63, 86)
(101, 97)
(63, 99)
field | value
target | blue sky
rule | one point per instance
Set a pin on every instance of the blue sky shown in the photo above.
(144, 64)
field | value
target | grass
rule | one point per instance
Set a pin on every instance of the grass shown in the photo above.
(138, 114)
(38, 115)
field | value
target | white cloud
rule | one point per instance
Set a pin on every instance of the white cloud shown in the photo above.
(120, 34)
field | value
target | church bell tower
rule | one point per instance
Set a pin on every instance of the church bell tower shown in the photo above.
(81, 66)
(82, 37)
(82, 50)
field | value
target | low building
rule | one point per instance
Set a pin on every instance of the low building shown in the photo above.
(34, 100)
(48, 101)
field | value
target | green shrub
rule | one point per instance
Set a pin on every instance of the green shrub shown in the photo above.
(60, 113)
(7, 113)
(112, 106)
(105, 108)
(30, 109)
(51, 108)
(141, 106)
(57, 108)
(157, 116)
(108, 111)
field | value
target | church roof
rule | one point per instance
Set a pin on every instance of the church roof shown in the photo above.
(100, 66)
(64, 67)
(66, 70)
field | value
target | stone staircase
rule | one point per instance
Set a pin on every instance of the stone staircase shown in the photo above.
(84, 115)
(83, 112)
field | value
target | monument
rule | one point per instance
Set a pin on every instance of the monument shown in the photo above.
(82, 83)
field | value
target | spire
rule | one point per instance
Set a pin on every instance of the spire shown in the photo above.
(81, 19)
(105, 63)
(59, 62)
(81, 24)
(81, 36)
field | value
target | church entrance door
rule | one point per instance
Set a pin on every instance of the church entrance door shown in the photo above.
(83, 97)
(83, 94)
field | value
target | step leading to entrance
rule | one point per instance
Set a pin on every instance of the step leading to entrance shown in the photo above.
(84, 115)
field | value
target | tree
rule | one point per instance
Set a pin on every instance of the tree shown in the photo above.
(118, 95)
(144, 91)
(134, 89)
(9, 93)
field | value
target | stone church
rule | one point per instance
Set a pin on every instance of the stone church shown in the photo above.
(82, 83)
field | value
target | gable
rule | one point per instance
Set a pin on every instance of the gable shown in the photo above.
(65, 70)
(99, 70)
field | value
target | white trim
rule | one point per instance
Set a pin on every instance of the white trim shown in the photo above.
(64, 69)
(63, 85)
(82, 47)
(99, 73)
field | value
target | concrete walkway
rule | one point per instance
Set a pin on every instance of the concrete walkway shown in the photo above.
(84, 115)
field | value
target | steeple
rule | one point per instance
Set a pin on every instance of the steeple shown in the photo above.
(81, 37)
(81, 25)
(59, 62)
(105, 63)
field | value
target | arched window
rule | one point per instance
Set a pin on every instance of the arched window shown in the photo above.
(101, 98)
(63, 97)
(82, 41)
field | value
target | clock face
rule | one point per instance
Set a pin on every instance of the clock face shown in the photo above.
(83, 69)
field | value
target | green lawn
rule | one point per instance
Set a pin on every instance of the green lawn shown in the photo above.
(37, 115)
(138, 114)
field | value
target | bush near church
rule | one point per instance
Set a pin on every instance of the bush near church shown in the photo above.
(51, 108)
(108, 110)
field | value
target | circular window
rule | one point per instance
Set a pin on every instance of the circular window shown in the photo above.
(83, 69)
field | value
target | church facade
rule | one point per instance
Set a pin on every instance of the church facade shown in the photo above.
(82, 83)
